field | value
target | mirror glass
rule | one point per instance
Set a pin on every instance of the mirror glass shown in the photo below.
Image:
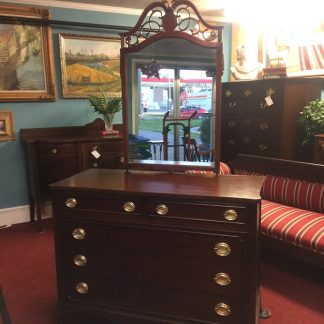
(171, 110)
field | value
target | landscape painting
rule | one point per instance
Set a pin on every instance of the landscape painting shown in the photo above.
(26, 59)
(89, 65)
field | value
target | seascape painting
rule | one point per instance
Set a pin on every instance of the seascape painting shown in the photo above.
(89, 64)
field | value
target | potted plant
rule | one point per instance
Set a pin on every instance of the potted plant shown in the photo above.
(106, 106)
(311, 120)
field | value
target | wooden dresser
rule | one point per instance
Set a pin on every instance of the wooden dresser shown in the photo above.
(152, 247)
(319, 148)
(56, 153)
(260, 117)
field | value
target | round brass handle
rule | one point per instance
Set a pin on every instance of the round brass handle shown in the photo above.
(230, 215)
(79, 233)
(82, 288)
(121, 158)
(222, 249)
(95, 165)
(71, 202)
(162, 209)
(54, 151)
(129, 206)
(222, 309)
(80, 260)
(222, 279)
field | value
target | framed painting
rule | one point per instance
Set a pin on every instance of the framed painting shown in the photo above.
(302, 52)
(26, 56)
(6, 127)
(89, 64)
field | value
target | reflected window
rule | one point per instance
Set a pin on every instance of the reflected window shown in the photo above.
(172, 108)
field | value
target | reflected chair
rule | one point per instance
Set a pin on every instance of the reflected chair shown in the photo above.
(196, 153)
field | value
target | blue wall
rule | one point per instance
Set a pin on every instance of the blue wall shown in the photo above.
(62, 112)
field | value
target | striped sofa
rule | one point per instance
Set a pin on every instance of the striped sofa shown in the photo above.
(292, 212)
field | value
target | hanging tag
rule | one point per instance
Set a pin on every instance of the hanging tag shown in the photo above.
(268, 101)
(96, 154)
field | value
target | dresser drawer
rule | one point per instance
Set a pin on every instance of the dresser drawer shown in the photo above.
(176, 306)
(203, 262)
(84, 203)
(199, 211)
(52, 149)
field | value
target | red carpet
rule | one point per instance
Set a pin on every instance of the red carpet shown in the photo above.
(293, 291)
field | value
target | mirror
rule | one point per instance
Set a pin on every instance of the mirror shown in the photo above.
(171, 67)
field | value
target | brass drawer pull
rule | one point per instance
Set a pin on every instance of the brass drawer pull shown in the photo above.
(121, 158)
(80, 260)
(230, 215)
(54, 151)
(71, 202)
(162, 209)
(82, 288)
(222, 249)
(79, 233)
(222, 279)
(129, 206)
(222, 309)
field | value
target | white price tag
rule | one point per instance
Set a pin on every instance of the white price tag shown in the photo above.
(96, 154)
(268, 101)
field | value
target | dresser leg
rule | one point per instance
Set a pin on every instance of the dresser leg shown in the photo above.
(264, 312)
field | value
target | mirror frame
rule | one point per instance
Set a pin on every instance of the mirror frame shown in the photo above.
(173, 20)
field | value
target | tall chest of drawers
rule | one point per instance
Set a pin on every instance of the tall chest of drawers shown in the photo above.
(148, 247)
(260, 117)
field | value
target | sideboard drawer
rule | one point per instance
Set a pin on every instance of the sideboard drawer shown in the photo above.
(53, 149)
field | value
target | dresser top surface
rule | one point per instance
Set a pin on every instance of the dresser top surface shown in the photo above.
(163, 184)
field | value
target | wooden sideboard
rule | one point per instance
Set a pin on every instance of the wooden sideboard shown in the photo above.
(151, 247)
(260, 117)
(56, 153)
(319, 148)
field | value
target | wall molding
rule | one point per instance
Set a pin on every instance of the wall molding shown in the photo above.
(20, 214)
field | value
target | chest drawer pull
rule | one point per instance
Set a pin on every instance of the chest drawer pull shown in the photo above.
(54, 151)
(80, 260)
(161, 209)
(230, 215)
(222, 279)
(79, 233)
(129, 206)
(222, 249)
(82, 288)
(222, 309)
(71, 202)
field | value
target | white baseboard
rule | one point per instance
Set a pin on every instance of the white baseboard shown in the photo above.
(20, 214)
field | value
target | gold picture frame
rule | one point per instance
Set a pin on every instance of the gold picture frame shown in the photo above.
(89, 64)
(26, 56)
(6, 127)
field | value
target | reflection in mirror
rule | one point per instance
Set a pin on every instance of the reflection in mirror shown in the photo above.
(169, 90)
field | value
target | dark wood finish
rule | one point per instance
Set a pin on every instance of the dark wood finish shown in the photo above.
(319, 149)
(56, 153)
(251, 127)
(284, 168)
(177, 27)
(143, 267)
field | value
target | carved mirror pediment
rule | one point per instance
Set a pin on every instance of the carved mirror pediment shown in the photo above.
(171, 68)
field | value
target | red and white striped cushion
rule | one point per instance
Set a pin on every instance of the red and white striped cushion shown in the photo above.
(223, 169)
(299, 227)
(293, 192)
